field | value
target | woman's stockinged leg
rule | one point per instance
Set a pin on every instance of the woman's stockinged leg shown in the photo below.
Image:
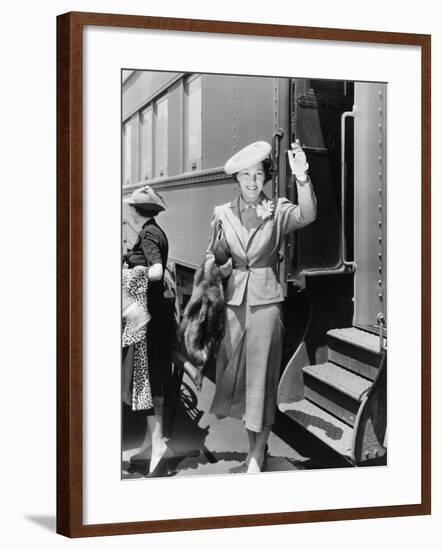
(145, 447)
(252, 440)
(257, 455)
(159, 447)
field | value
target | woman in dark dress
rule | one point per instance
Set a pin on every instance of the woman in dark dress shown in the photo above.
(150, 253)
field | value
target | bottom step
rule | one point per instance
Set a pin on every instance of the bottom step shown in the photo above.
(324, 426)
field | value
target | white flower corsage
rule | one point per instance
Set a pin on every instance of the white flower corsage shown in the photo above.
(265, 209)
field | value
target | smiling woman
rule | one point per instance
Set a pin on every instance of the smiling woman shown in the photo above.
(248, 362)
(251, 182)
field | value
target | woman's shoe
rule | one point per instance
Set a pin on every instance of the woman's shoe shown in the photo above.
(263, 466)
(162, 468)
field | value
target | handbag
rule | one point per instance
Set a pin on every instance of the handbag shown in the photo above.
(220, 248)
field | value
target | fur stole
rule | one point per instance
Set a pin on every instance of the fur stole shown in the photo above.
(202, 327)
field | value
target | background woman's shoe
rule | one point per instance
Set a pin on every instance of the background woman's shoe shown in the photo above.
(162, 469)
(241, 469)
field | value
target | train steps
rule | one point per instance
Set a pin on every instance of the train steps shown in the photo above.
(341, 401)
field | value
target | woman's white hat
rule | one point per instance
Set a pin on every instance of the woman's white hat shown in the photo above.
(250, 155)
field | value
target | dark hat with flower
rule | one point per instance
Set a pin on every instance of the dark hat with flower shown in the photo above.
(146, 198)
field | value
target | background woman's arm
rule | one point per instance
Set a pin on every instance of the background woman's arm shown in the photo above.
(152, 254)
(156, 272)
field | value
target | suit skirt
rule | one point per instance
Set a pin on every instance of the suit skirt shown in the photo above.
(248, 365)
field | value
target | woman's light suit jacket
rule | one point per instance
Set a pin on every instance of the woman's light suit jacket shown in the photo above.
(255, 255)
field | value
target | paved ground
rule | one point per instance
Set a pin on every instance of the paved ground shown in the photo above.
(204, 445)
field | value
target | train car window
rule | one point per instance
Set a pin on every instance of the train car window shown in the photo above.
(160, 141)
(146, 145)
(127, 157)
(192, 124)
(130, 148)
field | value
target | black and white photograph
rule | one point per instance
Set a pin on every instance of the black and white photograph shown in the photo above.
(254, 274)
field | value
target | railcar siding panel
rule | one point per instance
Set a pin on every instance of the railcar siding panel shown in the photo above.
(218, 119)
(187, 218)
(254, 102)
(370, 193)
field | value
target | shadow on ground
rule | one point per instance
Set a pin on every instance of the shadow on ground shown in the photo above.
(188, 443)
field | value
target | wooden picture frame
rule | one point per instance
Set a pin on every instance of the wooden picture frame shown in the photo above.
(70, 233)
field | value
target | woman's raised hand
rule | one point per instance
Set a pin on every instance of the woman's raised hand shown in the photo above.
(298, 162)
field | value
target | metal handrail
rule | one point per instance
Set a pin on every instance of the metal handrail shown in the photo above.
(381, 324)
(344, 260)
(276, 149)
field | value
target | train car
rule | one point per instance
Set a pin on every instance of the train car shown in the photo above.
(178, 131)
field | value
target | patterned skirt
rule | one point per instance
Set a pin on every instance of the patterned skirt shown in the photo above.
(136, 387)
